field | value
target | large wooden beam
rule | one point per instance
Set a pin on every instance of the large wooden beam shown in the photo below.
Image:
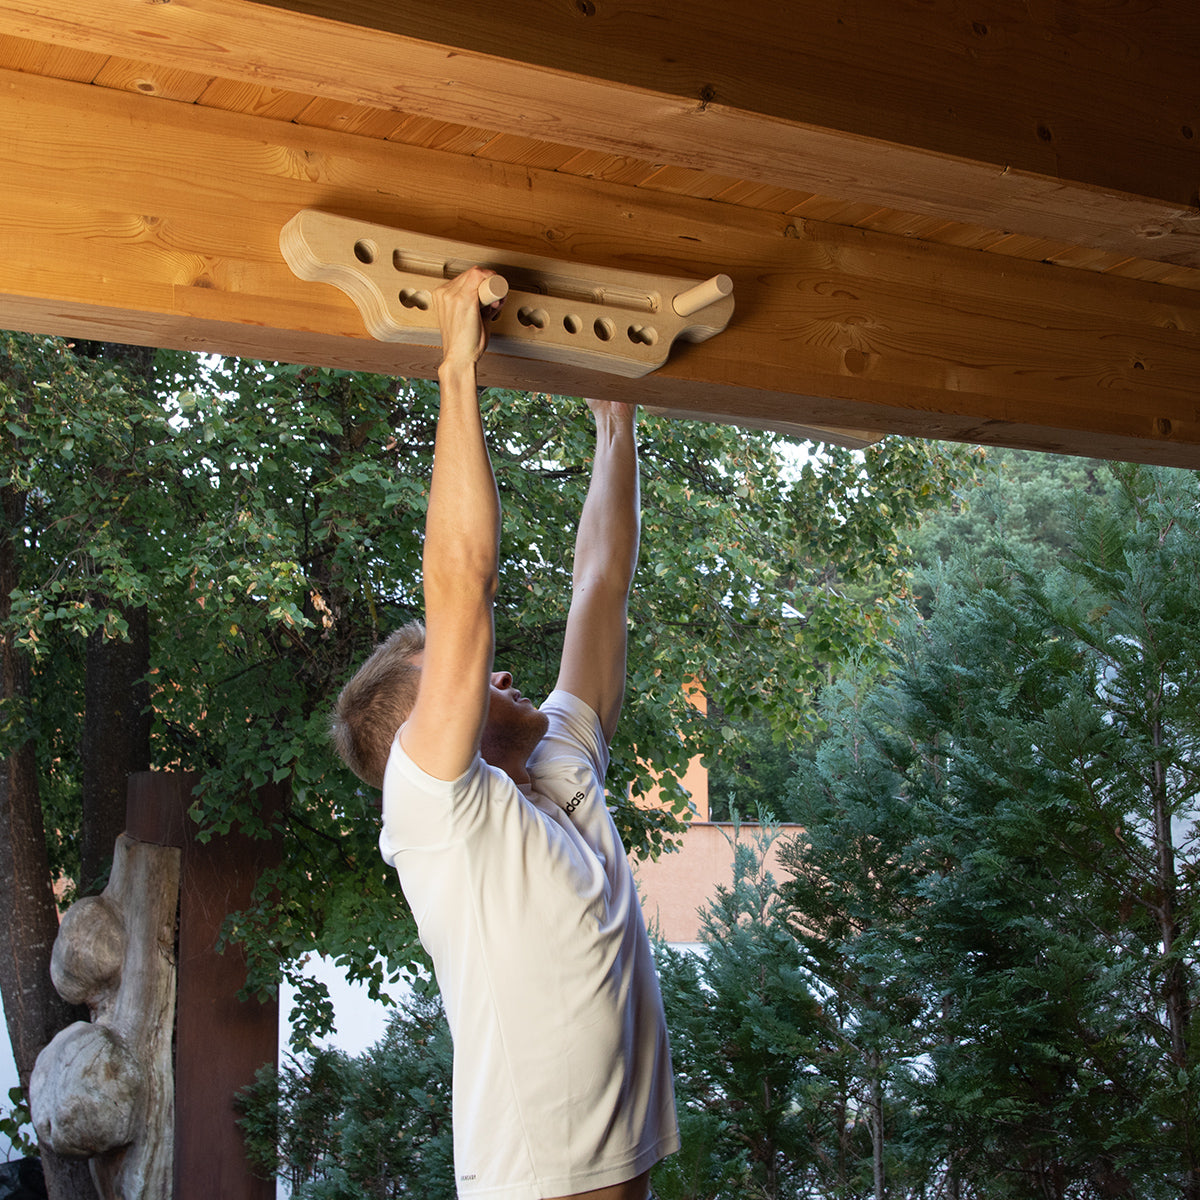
(1073, 121)
(157, 222)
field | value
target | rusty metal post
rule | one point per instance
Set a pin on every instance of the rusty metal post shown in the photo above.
(220, 1040)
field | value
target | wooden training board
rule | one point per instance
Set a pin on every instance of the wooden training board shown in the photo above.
(622, 322)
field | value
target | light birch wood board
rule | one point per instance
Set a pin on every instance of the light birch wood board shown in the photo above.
(620, 322)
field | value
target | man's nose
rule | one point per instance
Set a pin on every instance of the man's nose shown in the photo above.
(502, 679)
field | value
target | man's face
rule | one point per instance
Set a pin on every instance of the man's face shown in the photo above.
(514, 723)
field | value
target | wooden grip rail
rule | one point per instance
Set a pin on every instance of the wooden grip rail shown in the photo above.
(622, 322)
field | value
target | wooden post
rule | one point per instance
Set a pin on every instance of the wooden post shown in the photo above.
(220, 1041)
(102, 1089)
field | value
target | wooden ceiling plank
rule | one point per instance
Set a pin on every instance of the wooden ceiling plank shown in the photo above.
(349, 118)
(530, 152)
(588, 164)
(1019, 84)
(149, 79)
(440, 135)
(833, 209)
(1082, 130)
(746, 194)
(165, 231)
(684, 181)
(1181, 277)
(253, 98)
(58, 62)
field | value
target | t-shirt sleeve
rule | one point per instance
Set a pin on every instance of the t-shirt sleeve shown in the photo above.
(574, 732)
(422, 811)
(570, 762)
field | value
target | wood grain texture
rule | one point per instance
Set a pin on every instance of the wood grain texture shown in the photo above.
(165, 231)
(1071, 121)
(105, 1089)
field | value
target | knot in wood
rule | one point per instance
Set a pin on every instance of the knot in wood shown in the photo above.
(89, 951)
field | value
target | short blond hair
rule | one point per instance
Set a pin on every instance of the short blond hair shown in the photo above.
(376, 702)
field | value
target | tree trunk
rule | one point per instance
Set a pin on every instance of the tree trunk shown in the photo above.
(877, 1130)
(1177, 1000)
(116, 730)
(115, 742)
(105, 1089)
(33, 1010)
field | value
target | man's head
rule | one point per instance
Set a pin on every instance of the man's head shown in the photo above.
(377, 701)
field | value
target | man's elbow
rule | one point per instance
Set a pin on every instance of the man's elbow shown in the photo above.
(462, 578)
(609, 586)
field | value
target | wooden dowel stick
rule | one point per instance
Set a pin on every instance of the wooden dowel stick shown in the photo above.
(493, 288)
(702, 295)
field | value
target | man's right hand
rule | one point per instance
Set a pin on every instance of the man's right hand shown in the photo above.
(462, 320)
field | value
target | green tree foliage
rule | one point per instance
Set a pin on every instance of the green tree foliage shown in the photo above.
(268, 520)
(853, 879)
(374, 1126)
(1022, 501)
(55, 410)
(82, 445)
(754, 777)
(843, 559)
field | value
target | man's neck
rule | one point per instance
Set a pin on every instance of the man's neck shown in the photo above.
(514, 764)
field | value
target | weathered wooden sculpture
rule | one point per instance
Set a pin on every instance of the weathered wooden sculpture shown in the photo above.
(104, 1089)
(622, 322)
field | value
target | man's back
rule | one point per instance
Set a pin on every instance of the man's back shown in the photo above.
(528, 908)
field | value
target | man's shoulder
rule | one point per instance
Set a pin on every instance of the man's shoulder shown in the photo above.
(573, 719)
(571, 709)
(573, 742)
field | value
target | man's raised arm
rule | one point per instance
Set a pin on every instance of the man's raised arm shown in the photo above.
(461, 553)
(606, 550)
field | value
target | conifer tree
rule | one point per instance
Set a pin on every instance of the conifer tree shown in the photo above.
(856, 873)
(744, 1029)
(1033, 778)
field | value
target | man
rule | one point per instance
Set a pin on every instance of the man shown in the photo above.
(494, 817)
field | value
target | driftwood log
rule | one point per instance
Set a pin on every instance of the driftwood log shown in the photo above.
(104, 1089)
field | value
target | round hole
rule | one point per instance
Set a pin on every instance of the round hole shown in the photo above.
(604, 329)
(643, 335)
(534, 318)
(571, 323)
(365, 251)
(415, 298)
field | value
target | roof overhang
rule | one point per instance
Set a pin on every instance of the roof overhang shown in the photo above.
(973, 231)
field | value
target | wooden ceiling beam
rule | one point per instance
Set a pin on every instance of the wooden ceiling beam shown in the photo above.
(1071, 121)
(155, 222)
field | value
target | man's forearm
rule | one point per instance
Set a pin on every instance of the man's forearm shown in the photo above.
(606, 546)
(462, 526)
(606, 550)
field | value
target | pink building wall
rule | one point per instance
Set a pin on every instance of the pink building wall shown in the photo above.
(676, 886)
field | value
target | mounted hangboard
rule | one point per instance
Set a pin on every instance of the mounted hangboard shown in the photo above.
(622, 322)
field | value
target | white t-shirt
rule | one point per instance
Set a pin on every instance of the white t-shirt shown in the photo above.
(527, 906)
